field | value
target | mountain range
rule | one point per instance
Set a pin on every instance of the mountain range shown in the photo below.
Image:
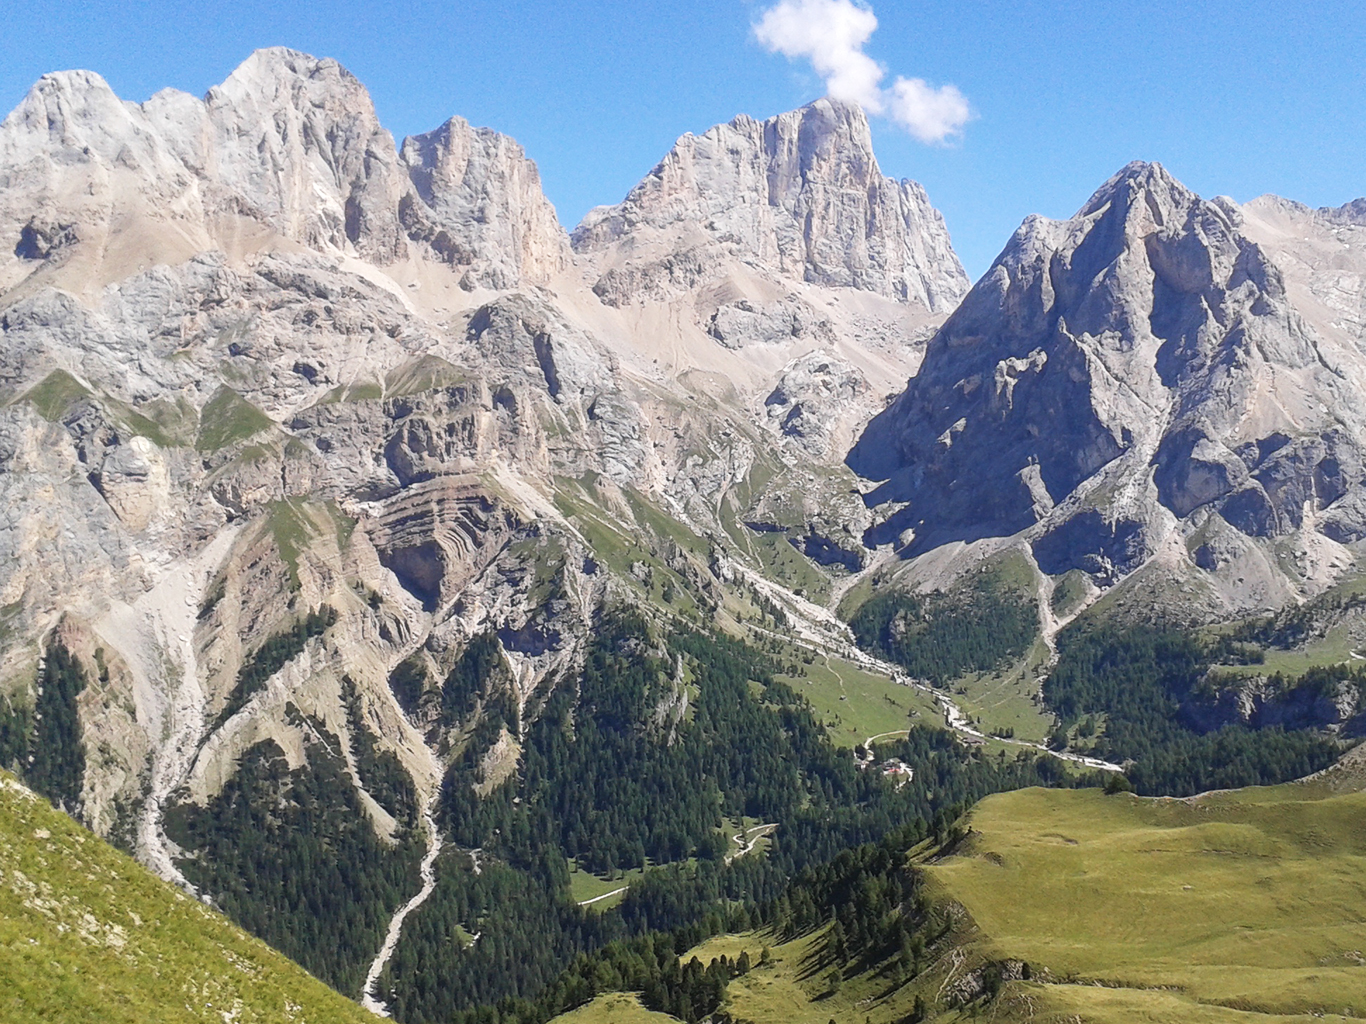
(341, 484)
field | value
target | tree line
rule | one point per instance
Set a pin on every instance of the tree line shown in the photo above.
(1139, 677)
(939, 637)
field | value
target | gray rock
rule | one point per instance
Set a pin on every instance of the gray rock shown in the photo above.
(1118, 375)
(799, 196)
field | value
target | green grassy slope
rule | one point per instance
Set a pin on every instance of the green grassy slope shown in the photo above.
(1242, 905)
(854, 704)
(793, 985)
(88, 935)
(615, 1008)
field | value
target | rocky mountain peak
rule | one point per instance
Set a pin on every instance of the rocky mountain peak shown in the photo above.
(63, 113)
(480, 183)
(1144, 348)
(276, 69)
(290, 142)
(799, 195)
(298, 138)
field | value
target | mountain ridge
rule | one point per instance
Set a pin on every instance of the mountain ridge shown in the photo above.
(357, 506)
(1148, 328)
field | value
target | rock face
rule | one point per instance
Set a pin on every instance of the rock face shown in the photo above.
(265, 376)
(808, 397)
(776, 258)
(798, 196)
(289, 146)
(1121, 378)
(482, 207)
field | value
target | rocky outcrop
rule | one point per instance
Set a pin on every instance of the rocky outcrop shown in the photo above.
(811, 394)
(1112, 377)
(1329, 699)
(437, 536)
(294, 142)
(479, 205)
(798, 196)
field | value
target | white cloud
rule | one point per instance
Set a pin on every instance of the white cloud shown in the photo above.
(831, 34)
(931, 115)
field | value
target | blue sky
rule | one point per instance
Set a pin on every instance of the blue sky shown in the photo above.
(1235, 98)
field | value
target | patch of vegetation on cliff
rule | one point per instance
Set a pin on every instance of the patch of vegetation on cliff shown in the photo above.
(468, 678)
(55, 394)
(228, 418)
(380, 771)
(43, 742)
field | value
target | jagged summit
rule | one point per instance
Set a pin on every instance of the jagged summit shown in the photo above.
(799, 196)
(1133, 370)
(482, 180)
(289, 147)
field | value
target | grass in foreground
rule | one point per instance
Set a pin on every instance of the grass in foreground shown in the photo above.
(1242, 905)
(88, 935)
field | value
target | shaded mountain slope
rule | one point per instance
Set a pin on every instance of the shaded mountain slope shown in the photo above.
(1130, 383)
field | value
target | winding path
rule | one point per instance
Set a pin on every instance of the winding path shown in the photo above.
(368, 998)
(747, 839)
(604, 896)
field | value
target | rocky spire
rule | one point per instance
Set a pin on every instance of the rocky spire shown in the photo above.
(799, 195)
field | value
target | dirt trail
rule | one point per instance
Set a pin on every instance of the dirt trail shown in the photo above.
(368, 998)
(747, 839)
(604, 896)
(959, 722)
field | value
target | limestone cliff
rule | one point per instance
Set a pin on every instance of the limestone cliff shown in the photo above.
(799, 196)
(1136, 376)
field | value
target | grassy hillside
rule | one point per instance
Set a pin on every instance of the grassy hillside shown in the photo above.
(86, 934)
(854, 704)
(793, 986)
(615, 1008)
(1234, 906)
(1073, 906)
